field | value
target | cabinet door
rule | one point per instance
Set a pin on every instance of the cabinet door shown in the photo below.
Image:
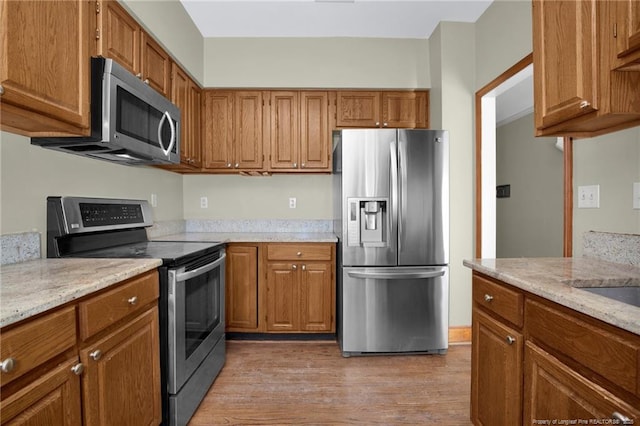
(496, 372)
(554, 391)
(52, 399)
(285, 135)
(316, 297)
(628, 33)
(565, 58)
(180, 97)
(217, 123)
(119, 36)
(399, 109)
(282, 297)
(241, 288)
(358, 109)
(315, 140)
(155, 65)
(195, 126)
(46, 87)
(121, 386)
(248, 130)
(422, 110)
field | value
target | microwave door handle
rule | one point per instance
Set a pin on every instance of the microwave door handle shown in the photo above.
(173, 133)
(396, 275)
(184, 276)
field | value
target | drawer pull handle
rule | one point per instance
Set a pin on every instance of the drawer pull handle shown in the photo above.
(488, 298)
(624, 419)
(78, 369)
(8, 365)
(133, 300)
(511, 340)
(299, 254)
(96, 355)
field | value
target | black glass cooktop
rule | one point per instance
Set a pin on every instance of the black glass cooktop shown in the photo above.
(168, 251)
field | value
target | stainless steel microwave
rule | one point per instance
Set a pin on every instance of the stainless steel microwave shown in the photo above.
(131, 123)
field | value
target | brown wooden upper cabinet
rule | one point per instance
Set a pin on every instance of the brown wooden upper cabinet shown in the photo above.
(299, 131)
(576, 93)
(233, 130)
(186, 94)
(44, 86)
(405, 109)
(118, 36)
(627, 34)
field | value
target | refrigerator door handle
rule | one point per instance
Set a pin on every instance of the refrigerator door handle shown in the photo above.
(396, 275)
(395, 216)
(402, 196)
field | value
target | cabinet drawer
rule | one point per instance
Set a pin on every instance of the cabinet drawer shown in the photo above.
(101, 311)
(310, 251)
(38, 341)
(608, 354)
(503, 301)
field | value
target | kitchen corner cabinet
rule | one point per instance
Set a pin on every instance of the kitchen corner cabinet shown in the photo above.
(523, 370)
(233, 131)
(627, 34)
(300, 287)
(91, 362)
(186, 94)
(402, 109)
(299, 134)
(577, 92)
(45, 72)
(241, 292)
(119, 36)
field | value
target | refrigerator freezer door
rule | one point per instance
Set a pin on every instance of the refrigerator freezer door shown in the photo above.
(423, 200)
(394, 310)
(366, 163)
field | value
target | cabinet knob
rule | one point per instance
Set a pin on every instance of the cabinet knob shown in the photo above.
(377, 123)
(139, 75)
(302, 165)
(1, 90)
(295, 164)
(385, 124)
(96, 355)
(294, 267)
(8, 365)
(624, 419)
(299, 254)
(488, 298)
(78, 369)
(511, 340)
(133, 300)
(584, 104)
(228, 164)
(146, 81)
(237, 165)
(304, 267)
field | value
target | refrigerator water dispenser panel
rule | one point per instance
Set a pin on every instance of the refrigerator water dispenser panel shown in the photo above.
(367, 224)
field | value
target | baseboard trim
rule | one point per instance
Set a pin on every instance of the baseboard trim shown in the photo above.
(460, 334)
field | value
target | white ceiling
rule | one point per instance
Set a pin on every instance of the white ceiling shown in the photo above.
(329, 18)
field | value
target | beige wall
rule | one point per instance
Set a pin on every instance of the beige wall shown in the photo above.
(613, 162)
(316, 62)
(529, 223)
(30, 173)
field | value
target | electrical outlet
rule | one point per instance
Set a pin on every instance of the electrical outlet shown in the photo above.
(636, 195)
(154, 200)
(589, 197)
(292, 202)
(204, 202)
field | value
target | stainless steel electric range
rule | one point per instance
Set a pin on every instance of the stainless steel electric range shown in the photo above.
(191, 305)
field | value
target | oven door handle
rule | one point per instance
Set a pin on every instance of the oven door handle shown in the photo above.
(184, 276)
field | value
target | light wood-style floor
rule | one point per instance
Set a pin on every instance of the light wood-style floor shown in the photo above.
(277, 383)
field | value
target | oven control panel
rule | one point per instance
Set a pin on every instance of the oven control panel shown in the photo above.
(100, 214)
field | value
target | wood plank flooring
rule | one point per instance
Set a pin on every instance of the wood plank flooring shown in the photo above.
(285, 383)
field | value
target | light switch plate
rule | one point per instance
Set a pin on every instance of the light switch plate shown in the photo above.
(636, 195)
(589, 197)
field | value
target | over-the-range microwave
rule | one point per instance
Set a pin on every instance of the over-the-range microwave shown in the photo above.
(131, 123)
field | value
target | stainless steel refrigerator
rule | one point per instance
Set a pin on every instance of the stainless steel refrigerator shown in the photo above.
(391, 214)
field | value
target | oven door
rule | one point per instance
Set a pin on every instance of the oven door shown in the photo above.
(195, 316)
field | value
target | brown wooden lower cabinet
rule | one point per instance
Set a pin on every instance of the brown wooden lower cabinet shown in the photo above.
(559, 366)
(108, 374)
(241, 288)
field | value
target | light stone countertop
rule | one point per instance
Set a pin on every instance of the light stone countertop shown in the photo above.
(252, 237)
(559, 279)
(32, 287)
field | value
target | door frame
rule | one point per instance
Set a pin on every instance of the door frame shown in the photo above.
(567, 164)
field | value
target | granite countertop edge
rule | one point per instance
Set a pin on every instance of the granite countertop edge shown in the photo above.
(552, 278)
(252, 237)
(59, 281)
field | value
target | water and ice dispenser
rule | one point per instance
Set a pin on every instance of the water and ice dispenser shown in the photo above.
(368, 224)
